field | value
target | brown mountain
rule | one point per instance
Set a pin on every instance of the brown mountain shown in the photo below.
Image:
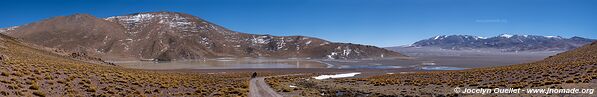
(177, 36)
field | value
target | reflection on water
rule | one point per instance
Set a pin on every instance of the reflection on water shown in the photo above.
(223, 64)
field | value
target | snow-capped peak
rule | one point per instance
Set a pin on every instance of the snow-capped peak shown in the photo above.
(479, 37)
(172, 20)
(439, 37)
(506, 35)
(552, 36)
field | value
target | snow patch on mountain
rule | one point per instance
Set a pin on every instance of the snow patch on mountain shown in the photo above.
(172, 20)
(2, 30)
(506, 42)
(479, 37)
(344, 52)
(558, 37)
(308, 42)
(506, 35)
(261, 39)
(438, 37)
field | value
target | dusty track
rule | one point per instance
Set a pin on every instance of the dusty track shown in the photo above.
(258, 88)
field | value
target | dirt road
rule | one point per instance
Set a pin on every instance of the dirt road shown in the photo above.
(258, 88)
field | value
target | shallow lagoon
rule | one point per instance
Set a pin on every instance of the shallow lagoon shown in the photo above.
(223, 64)
(255, 63)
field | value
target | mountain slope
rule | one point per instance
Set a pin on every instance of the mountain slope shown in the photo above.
(178, 36)
(79, 33)
(504, 42)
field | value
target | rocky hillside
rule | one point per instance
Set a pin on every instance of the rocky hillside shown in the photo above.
(504, 42)
(177, 36)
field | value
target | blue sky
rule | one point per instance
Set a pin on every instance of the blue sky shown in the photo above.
(373, 22)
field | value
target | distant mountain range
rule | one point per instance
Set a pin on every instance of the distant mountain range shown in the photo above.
(504, 42)
(176, 36)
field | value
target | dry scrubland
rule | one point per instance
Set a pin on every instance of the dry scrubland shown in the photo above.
(282, 85)
(572, 69)
(31, 72)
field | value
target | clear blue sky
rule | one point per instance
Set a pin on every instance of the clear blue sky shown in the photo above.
(374, 22)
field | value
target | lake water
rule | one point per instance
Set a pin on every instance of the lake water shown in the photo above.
(451, 61)
(224, 64)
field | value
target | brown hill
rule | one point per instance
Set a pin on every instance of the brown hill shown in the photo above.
(79, 33)
(177, 36)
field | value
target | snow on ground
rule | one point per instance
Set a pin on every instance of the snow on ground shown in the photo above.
(344, 75)
(292, 86)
